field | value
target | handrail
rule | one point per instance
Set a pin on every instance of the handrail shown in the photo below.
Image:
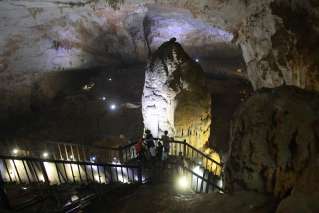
(119, 150)
(17, 169)
(187, 144)
(4, 157)
(203, 178)
(203, 154)
(86, 145)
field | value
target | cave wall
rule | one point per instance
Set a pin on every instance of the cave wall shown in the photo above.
(38, 37)
(61, 110)
(274, 139)
(275, 47)
(41, 36)
(42, 40)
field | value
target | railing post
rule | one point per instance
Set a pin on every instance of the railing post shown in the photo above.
(45, 175)
(121, 154)
(139, 174)
(184, 148)
(4, 202)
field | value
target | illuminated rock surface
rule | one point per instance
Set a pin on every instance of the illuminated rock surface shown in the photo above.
(175, 97)
(274, 139)
(50, 35)
(38, 37)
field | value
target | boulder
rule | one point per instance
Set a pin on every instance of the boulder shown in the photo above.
(305, 194)
(274, 138)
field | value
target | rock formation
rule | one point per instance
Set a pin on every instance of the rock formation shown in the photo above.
(76, 34)
(275, 137)
(175, 97)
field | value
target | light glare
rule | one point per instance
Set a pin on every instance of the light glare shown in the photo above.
(15, 151)
(45, 154)
(113, 107)
(182, 183)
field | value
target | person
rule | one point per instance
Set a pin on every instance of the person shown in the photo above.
(150, 143)
(166, 145)
(159, 150)
(139, 150)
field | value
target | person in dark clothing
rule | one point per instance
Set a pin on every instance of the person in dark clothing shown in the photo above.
(159, 151)
(139, 149)
(166, 145)
(149, 141)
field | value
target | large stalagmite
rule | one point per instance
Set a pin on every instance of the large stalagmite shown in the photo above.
(175, 97)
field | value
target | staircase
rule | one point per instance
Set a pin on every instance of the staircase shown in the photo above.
(79, 164)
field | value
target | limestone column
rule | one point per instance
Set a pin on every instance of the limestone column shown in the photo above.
(175, 97)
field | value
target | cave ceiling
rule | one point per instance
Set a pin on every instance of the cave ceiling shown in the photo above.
(41, 36)
(261, 41)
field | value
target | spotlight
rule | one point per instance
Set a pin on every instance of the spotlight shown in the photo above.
(93, 159)
(112, 106)
(110, 79)
(74, 198)
(103, 98)
(45, 154)
(15, 151)
(197, 60)
(182, 183)
(115, 161)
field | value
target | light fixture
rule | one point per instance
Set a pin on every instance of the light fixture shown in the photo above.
(15, 151)
(74, 198)
(45, 154)
(182, 182)
(112, 106)
(110, 79)
(103, 98)
(197, 60)
(93, 159)
(71, 157)
(88, 86)
(116, 161)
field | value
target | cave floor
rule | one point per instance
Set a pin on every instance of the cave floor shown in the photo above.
(165, 197)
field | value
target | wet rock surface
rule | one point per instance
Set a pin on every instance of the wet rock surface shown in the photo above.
(274, 139)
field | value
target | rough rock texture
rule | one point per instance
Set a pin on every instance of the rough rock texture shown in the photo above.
(227, 95)
(175, 97)
(168, 200)
(40, 39)
(77, 33)
(275, 47)
(274, 139)
(305, 195)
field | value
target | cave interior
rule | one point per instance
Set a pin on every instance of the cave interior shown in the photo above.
(237, 80)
